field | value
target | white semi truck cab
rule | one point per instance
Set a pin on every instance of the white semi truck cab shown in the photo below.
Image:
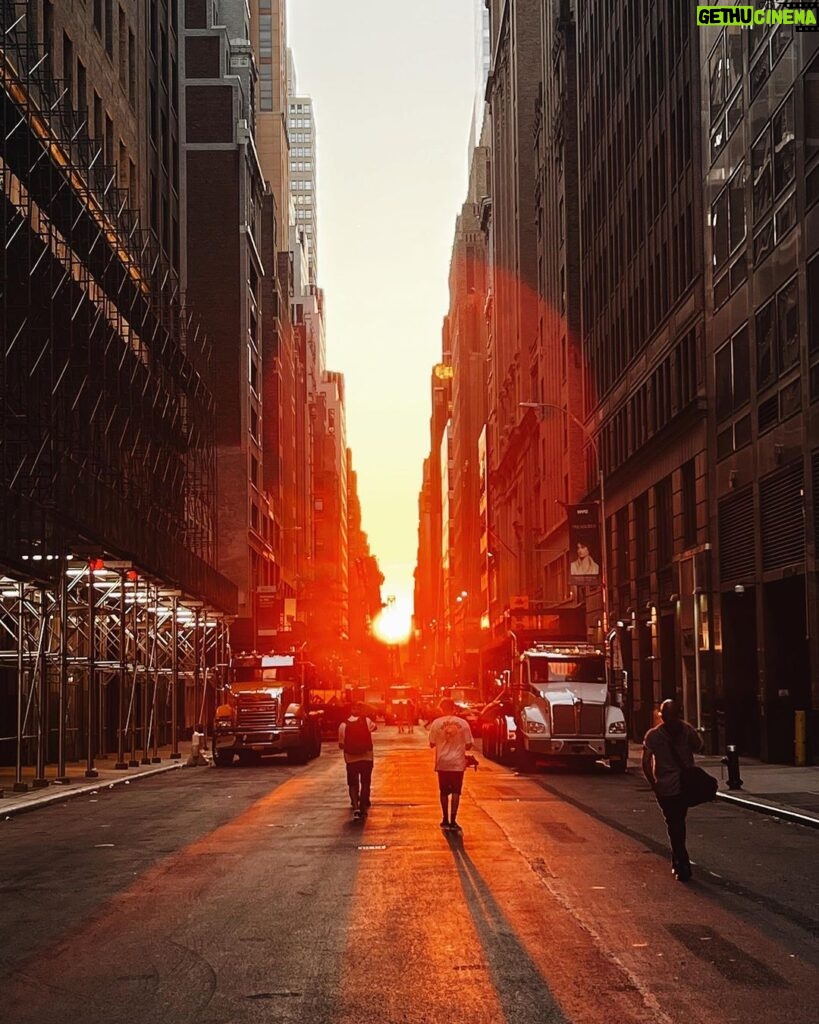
(557, 708)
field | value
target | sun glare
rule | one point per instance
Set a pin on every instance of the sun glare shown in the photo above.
(394, 623)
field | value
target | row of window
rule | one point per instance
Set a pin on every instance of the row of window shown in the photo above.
(614, 344)
(670, 389)
(618, 526)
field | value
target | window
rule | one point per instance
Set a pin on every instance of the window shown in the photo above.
(733, 376)
(762, 174)
(98, 119)
(784, 146)
(641, 533)
(123, 49)
(131, 67)
(68, 69)
(98, 17)
(665, 522)
(765, 351)
(787, 308)
(109, 142)
(82, 91)
(689, 502)
(109, 27)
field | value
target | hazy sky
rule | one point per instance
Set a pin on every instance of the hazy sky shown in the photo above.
(392, 85)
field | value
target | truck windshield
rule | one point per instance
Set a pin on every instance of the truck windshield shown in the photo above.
(564, 670)
(257, 674)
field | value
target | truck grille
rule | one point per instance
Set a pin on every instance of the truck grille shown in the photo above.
(577, 720)
(257, 714)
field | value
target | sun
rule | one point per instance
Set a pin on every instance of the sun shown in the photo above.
(394, 624)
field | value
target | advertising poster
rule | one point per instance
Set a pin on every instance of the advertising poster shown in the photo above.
(584, 545)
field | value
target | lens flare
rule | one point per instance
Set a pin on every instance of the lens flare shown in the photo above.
(394, 623)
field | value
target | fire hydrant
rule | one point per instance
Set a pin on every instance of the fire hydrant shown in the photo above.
(731, 760)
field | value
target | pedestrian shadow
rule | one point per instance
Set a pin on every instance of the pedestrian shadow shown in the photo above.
(522, 992)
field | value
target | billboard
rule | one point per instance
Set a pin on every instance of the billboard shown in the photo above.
(584, 545)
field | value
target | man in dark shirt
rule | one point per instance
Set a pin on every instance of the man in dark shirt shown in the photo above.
(666, 749)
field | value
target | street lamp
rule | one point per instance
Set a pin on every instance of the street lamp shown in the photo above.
(601, 483)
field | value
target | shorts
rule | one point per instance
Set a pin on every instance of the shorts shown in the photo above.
(359, 770)
(450, 782)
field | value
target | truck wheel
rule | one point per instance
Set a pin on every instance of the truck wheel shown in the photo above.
(525, 761)
(488, 742)
(298, 755)
(223, 758)
(620, 763)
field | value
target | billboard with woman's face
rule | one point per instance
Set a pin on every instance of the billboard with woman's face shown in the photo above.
(584, 545)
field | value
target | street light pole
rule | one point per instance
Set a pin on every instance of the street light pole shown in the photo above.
(604, 558)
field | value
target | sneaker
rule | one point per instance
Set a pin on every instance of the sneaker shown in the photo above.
(357, 814)
(455, 827)
(445, 824)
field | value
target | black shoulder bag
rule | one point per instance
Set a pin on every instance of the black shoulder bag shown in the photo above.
(696, 785)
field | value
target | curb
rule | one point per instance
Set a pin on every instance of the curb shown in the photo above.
(773, 810)
(63, 793)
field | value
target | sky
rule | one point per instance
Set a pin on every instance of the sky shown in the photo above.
(392, 88)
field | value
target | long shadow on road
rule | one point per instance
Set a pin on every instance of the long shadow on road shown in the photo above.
(521, 990)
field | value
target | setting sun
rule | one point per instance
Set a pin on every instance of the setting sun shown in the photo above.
(394, 623)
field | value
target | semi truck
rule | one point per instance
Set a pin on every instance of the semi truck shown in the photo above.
(265, 709)
(556, 703)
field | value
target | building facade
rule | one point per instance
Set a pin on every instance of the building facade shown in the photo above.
(760, 97)
(224, 196)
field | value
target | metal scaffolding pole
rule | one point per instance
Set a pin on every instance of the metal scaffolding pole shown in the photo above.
(155, 758)
(90, 771)
(175, 754)
(62, 775)
(41, 693)
(122, 764)
(143, 689)
(19, 785)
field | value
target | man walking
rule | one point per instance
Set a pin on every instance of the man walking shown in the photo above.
(355, 739)
(667, 748)
(450, 737)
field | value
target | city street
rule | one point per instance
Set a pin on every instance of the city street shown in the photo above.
(248, 894)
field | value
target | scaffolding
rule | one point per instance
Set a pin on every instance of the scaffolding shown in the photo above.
(107, 451)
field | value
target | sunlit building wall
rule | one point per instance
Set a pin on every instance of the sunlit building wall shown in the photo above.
(513, 364)
(465, 338)
(567, 462)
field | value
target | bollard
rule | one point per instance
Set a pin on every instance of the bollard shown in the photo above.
(731, 759)
(800, 737)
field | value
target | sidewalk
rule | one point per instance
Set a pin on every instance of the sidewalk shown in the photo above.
(778, 789)
(12, 803)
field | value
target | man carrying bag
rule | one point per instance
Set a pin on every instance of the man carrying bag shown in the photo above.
(668, 765)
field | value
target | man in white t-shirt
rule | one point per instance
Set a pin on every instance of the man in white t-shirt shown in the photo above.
(450, 737)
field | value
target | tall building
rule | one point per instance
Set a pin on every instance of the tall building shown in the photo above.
(512, 345)
(302, 128)
(642, 325)
(224, 199)
(482, 55)
(107, 472)
(758, 116)
(464, 341)
(330, 491)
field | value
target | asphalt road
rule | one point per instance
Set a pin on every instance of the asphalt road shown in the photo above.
(249, 895)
